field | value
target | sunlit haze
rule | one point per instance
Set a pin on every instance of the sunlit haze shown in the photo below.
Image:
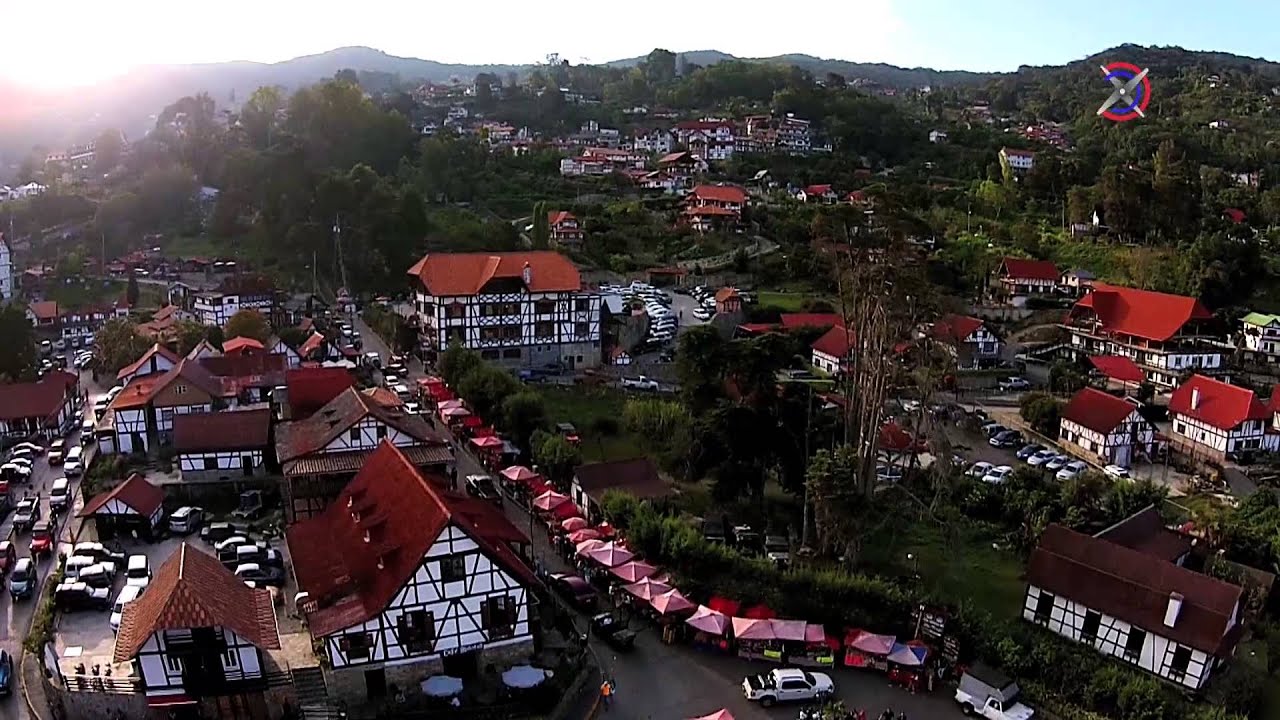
(73, 42)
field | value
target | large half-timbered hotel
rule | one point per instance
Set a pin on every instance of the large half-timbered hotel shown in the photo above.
(141, 416)
(244, 292)
(1107, 429)
(522, 308)
(321, 453)
(1165, 335)
(1124, 595)
(197, 637)
(401, 579)
(47, 405)
(1217, 420)
(969, 338)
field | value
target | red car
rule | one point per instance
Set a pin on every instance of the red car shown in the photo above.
(42, 538)
(8, 556)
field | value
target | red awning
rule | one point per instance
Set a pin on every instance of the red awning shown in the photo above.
(1118, 367)
(472, 421)
(160, 701)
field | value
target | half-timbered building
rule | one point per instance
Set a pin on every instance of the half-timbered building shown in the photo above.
(222, 445)
(969, 338)
(245, 292)
(197, 638)
(280, 347)
(1134, 606)
(522, 308)
(1106, 429)
(831, 351)
(133, 506)
(1216, 420)
(1166, 335)
(156, 359)
(1019, 278)
(141, 416)
(400, 578)
(46, 406)
(320, 454)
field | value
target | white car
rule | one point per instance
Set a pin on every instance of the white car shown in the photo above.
(998, 475)
(1058, 462)
(1041, 457)
(980, 469)
(787, 685)
(138, 573)
(128, 594)
(1073, 470)
(640, 383)
(1117, 472)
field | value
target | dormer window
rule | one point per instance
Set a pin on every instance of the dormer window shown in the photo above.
(368, 538)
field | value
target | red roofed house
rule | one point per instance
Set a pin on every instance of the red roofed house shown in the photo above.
(1218, 420)
(818, 193)
(400, 579)
(141, 416)
(831, 351)
(517, 308)
(222, 445)
(322, 453)
(196, 639)
(728, 300)
(1135, 606)
(311, 388)
(242, 346)
(1020, 161)
(708, 218)
(725, 197)
(1105, 428)
(1020, 278)
(565, 229)
(46, 406)
(134, 505)
(157, 359)
(973, 344)
(1165, 335)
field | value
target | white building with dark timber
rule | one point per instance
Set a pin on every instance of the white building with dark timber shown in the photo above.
(198, 638)
(520, 308)
(242, 292)
(1216, 420)
(1133, 604)
(400, 579)
(1106, 429)
(222, 445)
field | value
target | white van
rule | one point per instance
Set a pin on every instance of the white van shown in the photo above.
(128, 594)
(74, 464)
(59, 494)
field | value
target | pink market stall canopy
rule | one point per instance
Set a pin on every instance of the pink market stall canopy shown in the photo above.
(519, 473)
(611, 555)
(792, 630)
(671, 602)
(580, 536)
(870, 643)
(709, 621)
(634, 571)
(751, 629)
(647, 589)
(717, 715)
(909, 655)
(815, 634)
(487, 442)
(574, 524)
(586, 547)
(549, 500)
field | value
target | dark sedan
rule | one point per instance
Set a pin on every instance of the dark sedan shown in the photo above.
(576, 591)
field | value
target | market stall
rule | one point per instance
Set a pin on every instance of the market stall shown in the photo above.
(578, 536)
(710, 628)
(573, 524)
(717, 715)
(818, 649)
(633, 571)
(549, 501)
(586, 547)
(487, 447)
(907, 665)
(752, 637)
(610, 555)
(646, 589)
(788, 635)
(863, 649)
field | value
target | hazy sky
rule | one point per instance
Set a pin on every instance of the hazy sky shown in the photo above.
(66, 42)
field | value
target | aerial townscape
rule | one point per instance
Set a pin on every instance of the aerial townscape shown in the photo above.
(678, 387)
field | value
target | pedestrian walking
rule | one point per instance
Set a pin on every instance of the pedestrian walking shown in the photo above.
(606, 693)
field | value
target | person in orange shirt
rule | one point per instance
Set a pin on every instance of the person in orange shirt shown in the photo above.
(606, 693)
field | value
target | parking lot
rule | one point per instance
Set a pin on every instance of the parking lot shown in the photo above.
(85, 637)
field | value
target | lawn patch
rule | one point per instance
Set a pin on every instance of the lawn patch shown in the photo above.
(590, 409)
(785, 301)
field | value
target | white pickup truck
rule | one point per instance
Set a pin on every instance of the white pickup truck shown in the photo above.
(990, 694)
(640, 383)
(787, 685)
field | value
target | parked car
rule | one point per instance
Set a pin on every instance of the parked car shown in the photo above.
(6, 674)
(1073, 470)
(57, 452)
(979, 470)
(8, 556)
(138, 573)
(990, 694)
(73, 596)
(261, 575)
(640, 383)
(98, 552)
(128, 594)
(1117, 472)
(1028, 450)
(483, 487)
(233, 542)
(248, 554)
(219, 531)
(1041, 457)
(73, 465)
(97, 576)
(992, 429)
(998, 475)
(186, 520)
(31, 447)
(1057, 462)
(26, 513)
(1014, 384)
(787, 685)
(1005, 439)
(575, 591)
(60, 495)
(778, 549)
(22, 580)
(613, 631)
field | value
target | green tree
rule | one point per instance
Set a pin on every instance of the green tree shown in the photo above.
(118, 344)
(108, 149)
(522, 414)
(1042, 411)
(190, 334)
(485, 387)
(541, 237)
(18, 359)
(132, 292)
(248, 323)
(457, 362)
(555, 457)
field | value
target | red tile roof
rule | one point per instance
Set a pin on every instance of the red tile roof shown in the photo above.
(1118, 367)
(675, 157)
(955, 328)
(1016, 152)
(255, 370)
(1096, 410)
(226, 430)
(555, 217)
(719, 193)
(391, 503)
(241, 344)
(1023, 269)
(1140, 313)
(193, 590)
(310, 389)
(311, 345)
(1220, 405)
(817, 190)
(142, 390)
(710, 211)
(46, 310)
(1235, 215)
(792, 321)
(726, 293)
(1135, 587)
(135, 492)
(445, 274)
(41, 399)
(136, 365)
(837, 342)
(303, 437)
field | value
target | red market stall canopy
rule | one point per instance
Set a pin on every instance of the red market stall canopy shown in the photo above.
(472, 421)
(549, 500)
(454, 412)
(583, 535)
(487, 442)
(723, 605)
(870, 643)
(670, 602)
(717, 715)
(565, 510)
(646, 589)
(605, 529)
(1118, 367)
(447, 404)
(573, 524)
(749, 629)
(519, 473)
(910, 655)
(634, 571)
(709, 621)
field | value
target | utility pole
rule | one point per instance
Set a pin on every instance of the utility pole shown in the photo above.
(805, 528)
(315, 286)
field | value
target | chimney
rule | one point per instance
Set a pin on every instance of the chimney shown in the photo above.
(528, 274)
(1195, 398)
(1175, 607)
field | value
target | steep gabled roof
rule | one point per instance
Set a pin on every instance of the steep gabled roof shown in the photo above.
(1118, 367)
(352, 579)
(555, 217)
(955, 328)
(1135, 587)
(817, 190)
(135, 492)
(302, 437)
(1096, 410)
(1216, 403)
(446, 274)
(151, 352)
(1260, 319)
(241, 344)
(837, 342)
(39, 399)
(1023, 269)
(309, 389)
(226, 430)
(1140, 313)
(193, 590)
(143, 390)
(719, 193)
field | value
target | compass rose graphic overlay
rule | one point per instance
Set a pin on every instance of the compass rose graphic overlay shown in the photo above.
(1130, 93)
